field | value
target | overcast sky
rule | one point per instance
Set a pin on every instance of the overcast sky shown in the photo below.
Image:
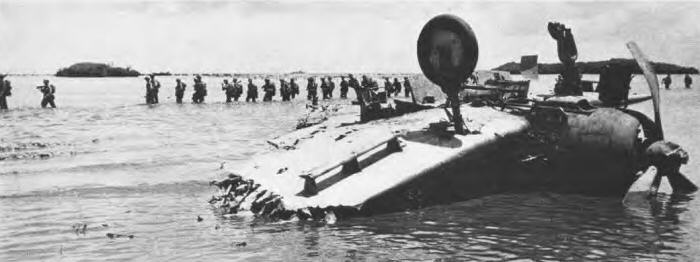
(319, 36)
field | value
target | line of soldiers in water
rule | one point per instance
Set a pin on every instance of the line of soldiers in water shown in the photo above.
(234, 90)
(288, 89)
(47, 90)
(667, 81)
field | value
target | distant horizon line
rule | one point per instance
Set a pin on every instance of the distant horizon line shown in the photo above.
(315, 73)
(269, 74)
(165, 73)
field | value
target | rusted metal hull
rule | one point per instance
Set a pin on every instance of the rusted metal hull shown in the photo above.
(504, 152)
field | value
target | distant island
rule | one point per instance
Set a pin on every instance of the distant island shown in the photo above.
(161, 74)
(96, 70)
(596, 66)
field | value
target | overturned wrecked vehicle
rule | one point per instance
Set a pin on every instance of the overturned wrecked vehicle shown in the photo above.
(404, 156)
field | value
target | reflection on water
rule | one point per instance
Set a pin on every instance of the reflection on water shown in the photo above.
(120, 167)
(538, 226)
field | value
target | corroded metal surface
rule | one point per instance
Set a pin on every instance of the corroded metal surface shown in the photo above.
(270, 185)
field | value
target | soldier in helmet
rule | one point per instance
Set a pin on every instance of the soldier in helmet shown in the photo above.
(237, 89)
(311, 89)
(343, 87)
(269, 89)
(667, 81)
(366, 82)
(179, 90)
(294, 87)
(331, 87)
(407, 88)
(155, 86)
(252, 93)
(5, 91)
(388, 87)
(200, 90)
(355, 85)
(397, 87)
(48, 90)
(324, 88)
(149, 90)
(228, 90)
(285, 90)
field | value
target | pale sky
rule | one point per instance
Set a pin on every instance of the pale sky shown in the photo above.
(322, 36)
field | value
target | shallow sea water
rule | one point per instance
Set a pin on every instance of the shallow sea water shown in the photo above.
(105, 159)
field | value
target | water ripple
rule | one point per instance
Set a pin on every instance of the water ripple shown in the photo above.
(121, 167)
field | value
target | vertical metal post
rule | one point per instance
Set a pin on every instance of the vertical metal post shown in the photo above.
(456, 113)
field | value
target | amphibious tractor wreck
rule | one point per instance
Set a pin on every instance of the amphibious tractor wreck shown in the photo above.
(398, 155)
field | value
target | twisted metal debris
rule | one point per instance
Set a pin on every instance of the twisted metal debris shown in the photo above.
(238, 195)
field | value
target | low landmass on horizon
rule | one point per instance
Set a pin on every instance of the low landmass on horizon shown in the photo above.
(595, 67)
(88, 69)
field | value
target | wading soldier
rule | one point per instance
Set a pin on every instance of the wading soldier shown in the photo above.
(149, 90)
(397, 87)
(324, 88)
(364, 91)
(285, 91)
(374, 84)
(311, 88)
(200, 90)
(237, 89)
(331, 87)
(155, 85)
(355, 85)
(48, 91)
(179, 90)
(388, 87)
(667, 81)
(688, 81)
(269, 89)
(252, 94)
(294, 88)
(407, 88)
(343, 87)
(366, 83)
(5, 91)
(228, 90)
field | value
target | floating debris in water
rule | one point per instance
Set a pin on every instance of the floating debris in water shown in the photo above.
(282, 170)
(79, 228)
(113, 236)
(200, 219)
(31, 150)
